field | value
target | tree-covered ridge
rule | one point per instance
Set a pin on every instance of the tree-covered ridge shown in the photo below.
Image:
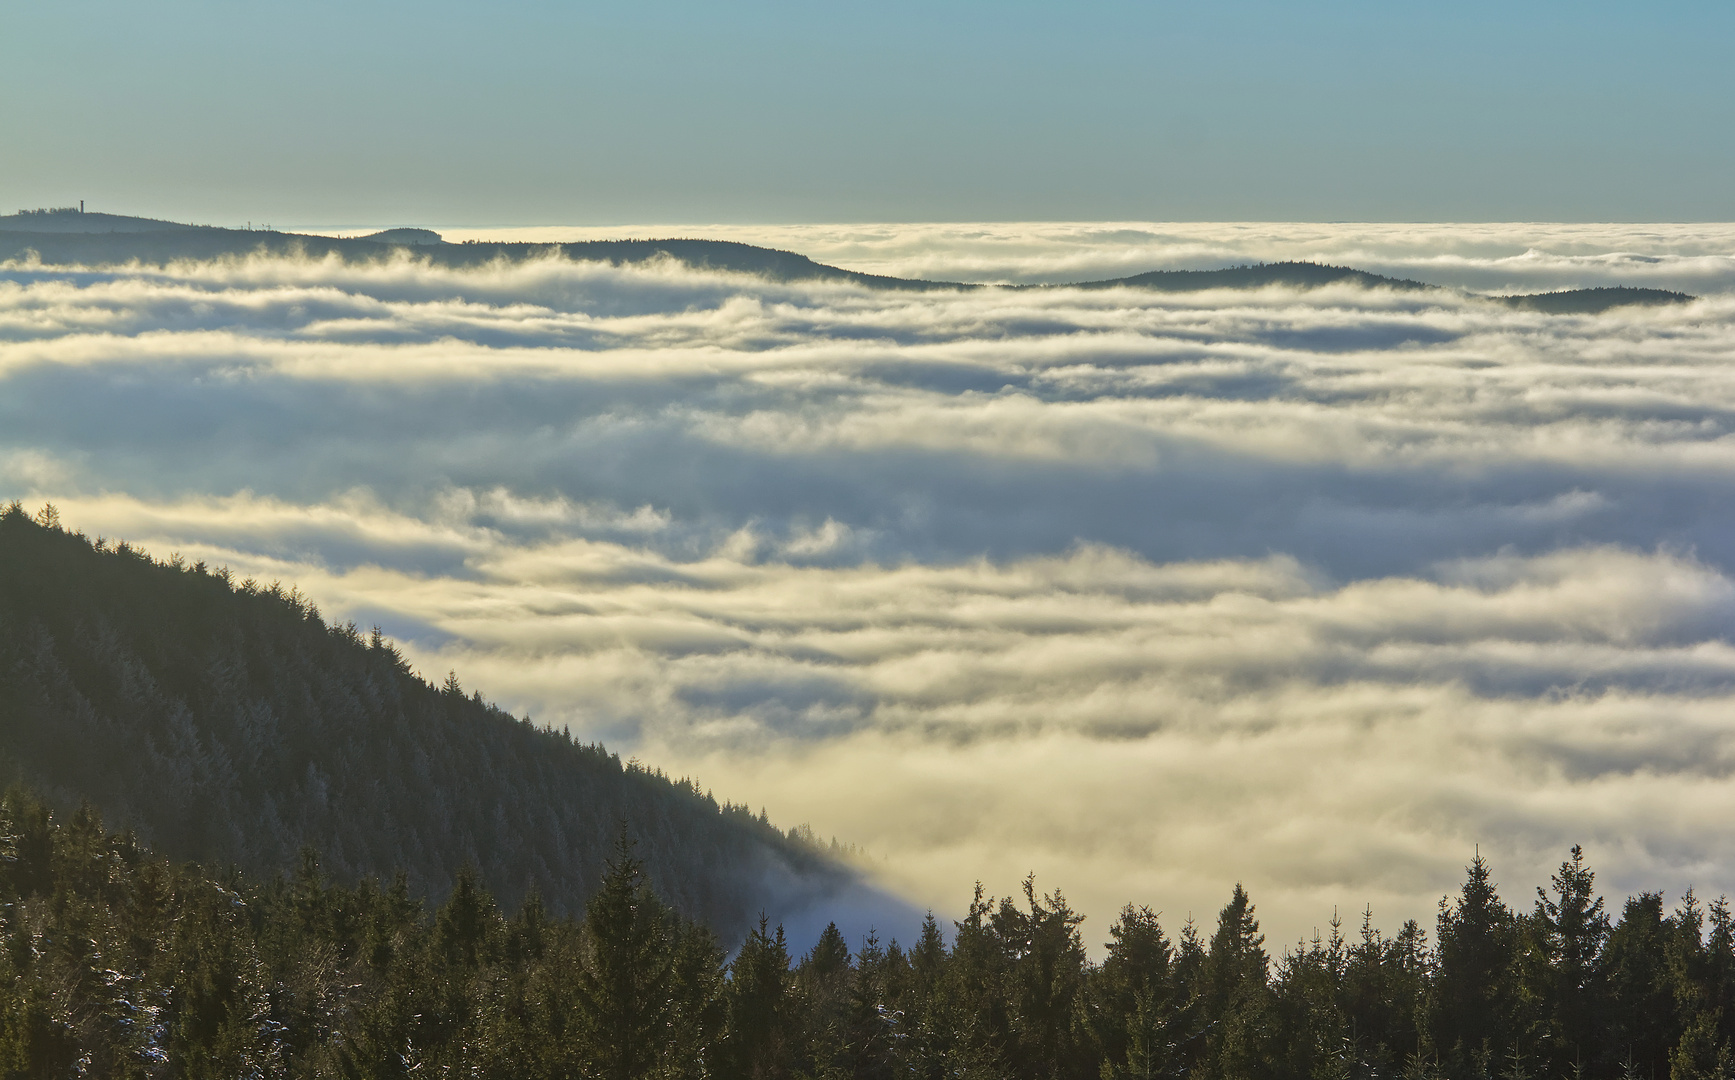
(18, 240)
(226, 722)
(1301, 275)
(1309, 275)
(117, 963)
(1592, 301)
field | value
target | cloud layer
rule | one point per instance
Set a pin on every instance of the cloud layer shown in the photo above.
(1495, 257)
(1148, 593)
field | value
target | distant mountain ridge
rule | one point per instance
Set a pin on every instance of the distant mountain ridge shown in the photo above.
(1309, 275)
(72, 219)
(408, 237)
(227, 722)
(70, 236)
(1305, 275)
(1591, 301)
(26, 233)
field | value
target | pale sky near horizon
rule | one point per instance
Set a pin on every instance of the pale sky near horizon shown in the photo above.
(321, 114)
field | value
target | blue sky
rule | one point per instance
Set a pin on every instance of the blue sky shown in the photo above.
(527, 112)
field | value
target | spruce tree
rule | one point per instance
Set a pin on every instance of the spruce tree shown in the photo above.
(623, 992)
(1564, 974)
(1130, 1011)
(1237, 994)
(1474, 997)
(1043, 982)
(762, 1015)
(928, 1006)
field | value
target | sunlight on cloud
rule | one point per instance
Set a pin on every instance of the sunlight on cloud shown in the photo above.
(1124, 728)
(1484, 257)
(1315, 589)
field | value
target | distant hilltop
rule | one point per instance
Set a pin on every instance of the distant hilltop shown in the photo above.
(71, 236)
(408, 237)
(74, 219)
(68, 236)
(63, 220)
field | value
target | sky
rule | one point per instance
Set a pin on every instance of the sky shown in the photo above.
(1319, 591)
(526, 112)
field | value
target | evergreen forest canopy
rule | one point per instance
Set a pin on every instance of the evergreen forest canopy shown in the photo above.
(226, 722)
(69, 236)
(118, 963)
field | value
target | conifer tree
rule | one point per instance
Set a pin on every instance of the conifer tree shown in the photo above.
(1719, 980)
(762, 1018)
(975, 1009)
(1237, 994)
(927, 1007)
(869, 1023)
(1044, 978)
(700, 1009)
(1564, 975)
(1130, 1013)
(824, 980)
(1475, 994)
(1642, 987)
(1703, 1052)
(624, 999)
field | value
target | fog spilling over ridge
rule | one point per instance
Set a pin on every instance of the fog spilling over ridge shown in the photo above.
(1490, 258)
(1315, 589)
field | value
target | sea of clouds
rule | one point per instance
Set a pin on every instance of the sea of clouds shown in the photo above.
(1147, 593)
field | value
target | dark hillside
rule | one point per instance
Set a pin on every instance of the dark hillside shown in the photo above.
(1593, 301)
(409, 237)
(1305, 275)
(70, 219)
(228, 723)
(21, 235)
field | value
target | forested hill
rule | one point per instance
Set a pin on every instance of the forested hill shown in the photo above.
(1302, 275)
(1308, 275)
(55, 238)
(226, 722)
(1592, 301)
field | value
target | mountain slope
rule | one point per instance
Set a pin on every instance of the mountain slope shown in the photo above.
(70, 219)
(45, 236)
(231, 725)
(1593, 301)
(1304, 275)
(1307, 275)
